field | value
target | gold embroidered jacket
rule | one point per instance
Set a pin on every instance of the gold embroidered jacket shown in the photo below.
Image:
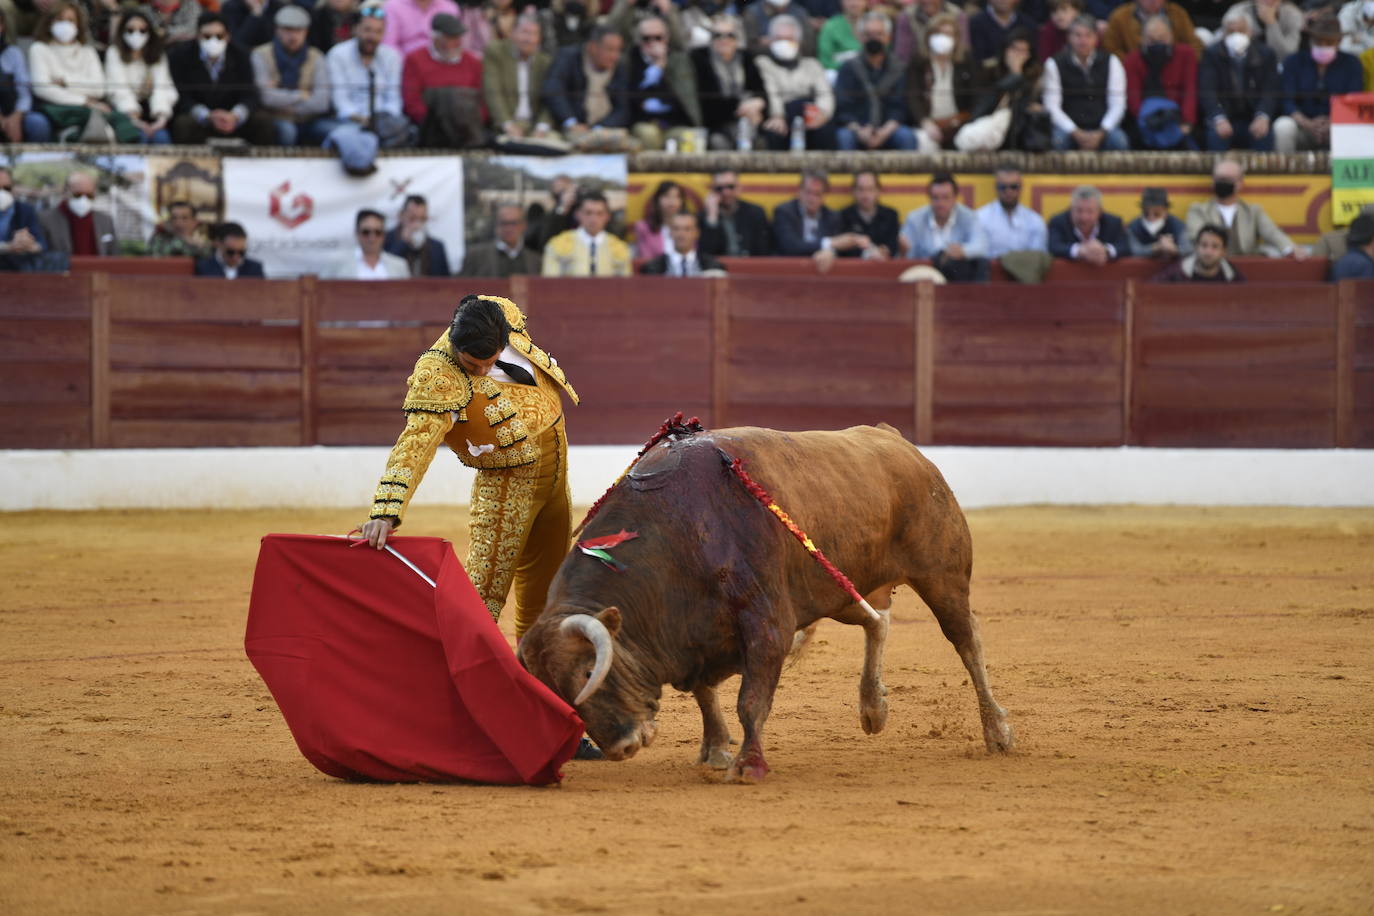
(488, 424)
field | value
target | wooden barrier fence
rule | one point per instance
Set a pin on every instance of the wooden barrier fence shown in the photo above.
(107, 360)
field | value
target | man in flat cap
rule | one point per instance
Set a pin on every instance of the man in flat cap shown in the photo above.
(293, 81)
(1157, 233)
(442, 88)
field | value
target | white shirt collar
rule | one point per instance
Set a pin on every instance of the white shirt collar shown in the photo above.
(589, 239)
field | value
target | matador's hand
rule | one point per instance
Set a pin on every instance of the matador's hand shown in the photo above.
(376, 531)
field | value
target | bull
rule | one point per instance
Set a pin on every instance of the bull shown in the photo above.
(714, 586)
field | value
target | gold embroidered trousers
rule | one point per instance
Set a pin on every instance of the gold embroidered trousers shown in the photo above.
(521, 527)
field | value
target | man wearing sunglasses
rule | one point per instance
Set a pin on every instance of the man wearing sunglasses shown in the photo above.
(369, 260)
(1010, 226)
(732, 227)
(231, 259)
(663, 89)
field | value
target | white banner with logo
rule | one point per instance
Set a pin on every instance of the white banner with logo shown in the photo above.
(299, 213)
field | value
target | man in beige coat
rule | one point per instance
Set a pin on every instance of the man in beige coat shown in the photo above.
(1252, 231)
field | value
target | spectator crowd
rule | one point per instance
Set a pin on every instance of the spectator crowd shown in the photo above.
(562, 75)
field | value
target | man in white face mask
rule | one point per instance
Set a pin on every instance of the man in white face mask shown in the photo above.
(75, 226)
(1157, 233)
(1238, 88)
(21, 236)
(217, 97)
(410, 239)
(759, 16)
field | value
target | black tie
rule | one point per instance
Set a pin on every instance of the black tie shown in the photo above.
(591, 259)
(517, 373)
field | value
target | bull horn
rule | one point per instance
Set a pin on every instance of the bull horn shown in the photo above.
(596, 633)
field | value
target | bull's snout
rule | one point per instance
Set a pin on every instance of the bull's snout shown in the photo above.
(639, 736)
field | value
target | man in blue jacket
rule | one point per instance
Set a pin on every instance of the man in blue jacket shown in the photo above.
(231, 259)
(948, 233)
(1238, 88)
(1358, 261)
(409, 238)
(21, 237)
(579, 103)
(1310, 79)
(870, 93)
(1085, 233)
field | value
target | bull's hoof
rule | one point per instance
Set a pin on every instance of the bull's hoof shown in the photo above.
(717, 758)
(873, 716)
(747, 775)
(999, 736)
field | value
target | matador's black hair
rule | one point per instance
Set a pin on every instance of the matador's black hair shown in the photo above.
(479, 328)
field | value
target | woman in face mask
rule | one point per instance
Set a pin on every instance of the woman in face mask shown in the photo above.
(1309, 80)
(136, 71)
(69, 81)
(796, 87)
(943, 85)
(1162, 69)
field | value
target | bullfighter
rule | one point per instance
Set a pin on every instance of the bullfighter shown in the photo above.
(485, 390)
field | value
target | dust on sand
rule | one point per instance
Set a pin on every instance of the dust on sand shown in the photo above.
(1191, 691)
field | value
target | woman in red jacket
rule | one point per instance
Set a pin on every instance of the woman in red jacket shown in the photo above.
(1162, 68)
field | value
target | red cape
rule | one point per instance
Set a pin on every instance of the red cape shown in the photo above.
(381, 676)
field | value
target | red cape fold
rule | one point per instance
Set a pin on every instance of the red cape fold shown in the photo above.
(382, 677)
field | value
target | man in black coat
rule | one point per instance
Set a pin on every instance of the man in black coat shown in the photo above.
(1085, 233)
(685, 260)
(870, 219)
(565, 87)
(425, 255)
(733, 227)
(231, 259)
(217, 96)
(1238, 88)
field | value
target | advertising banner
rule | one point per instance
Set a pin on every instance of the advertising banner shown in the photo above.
(299, 213)
(1352, 155)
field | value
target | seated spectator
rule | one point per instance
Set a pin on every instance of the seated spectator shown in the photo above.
(442, 88)
(870, 94)
(588, 87)
(729, 87)
(1358, 261)
(512, 73)
(410, 23)
(1157, 233)
(1307, 82)
(868, 218)
(68, 80)
(1127, 21)
(181, 235)
(251, 22)
(507, 256)
(913, 24)
(368, 261)
(410, 240)
(948, 234)
(180, 19)
(1207, 264)
(1161, 88)
(806, 227)
(589, 250)
(1238, 88)
(567, 23)
(1357, 27)
(74, 226)
(137, 75)
(216, 97)
(502, 17)
(230, 261)
(988, 31)
(662, 88)
(22, 242)
(1008, 225)
(293, 82)
(365, 83)
(943, 83)
(1008, 113)
(682, 258)
(332, 23)
(797, 88)
(1251, 230)
(1053, 34)
(758, 25)
(19, 122)
(1085, 93)
(839, 40)
(1275, 23)
(626, 15)
(1085, 233)
(652, 233)
(732, 226)
(1331, 245)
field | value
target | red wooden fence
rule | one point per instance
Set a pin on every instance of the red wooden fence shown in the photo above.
(103, 360)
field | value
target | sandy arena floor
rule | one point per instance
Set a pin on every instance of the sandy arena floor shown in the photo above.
(1190, 688)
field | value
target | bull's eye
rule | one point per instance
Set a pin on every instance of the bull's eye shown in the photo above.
(589, 674)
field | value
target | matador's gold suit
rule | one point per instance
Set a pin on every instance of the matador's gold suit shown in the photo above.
(513, 435)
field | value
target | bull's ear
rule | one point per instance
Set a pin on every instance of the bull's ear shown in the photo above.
(610, 619)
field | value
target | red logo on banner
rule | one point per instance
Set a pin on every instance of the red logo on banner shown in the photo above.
(290, 213)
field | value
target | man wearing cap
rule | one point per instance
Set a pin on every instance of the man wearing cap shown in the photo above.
(1358, 261)
(1157, 233)
(1309, 78)
(442, 88)
(365, 84)
(293, 81)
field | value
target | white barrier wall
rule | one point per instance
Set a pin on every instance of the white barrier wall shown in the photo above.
(320, 477)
